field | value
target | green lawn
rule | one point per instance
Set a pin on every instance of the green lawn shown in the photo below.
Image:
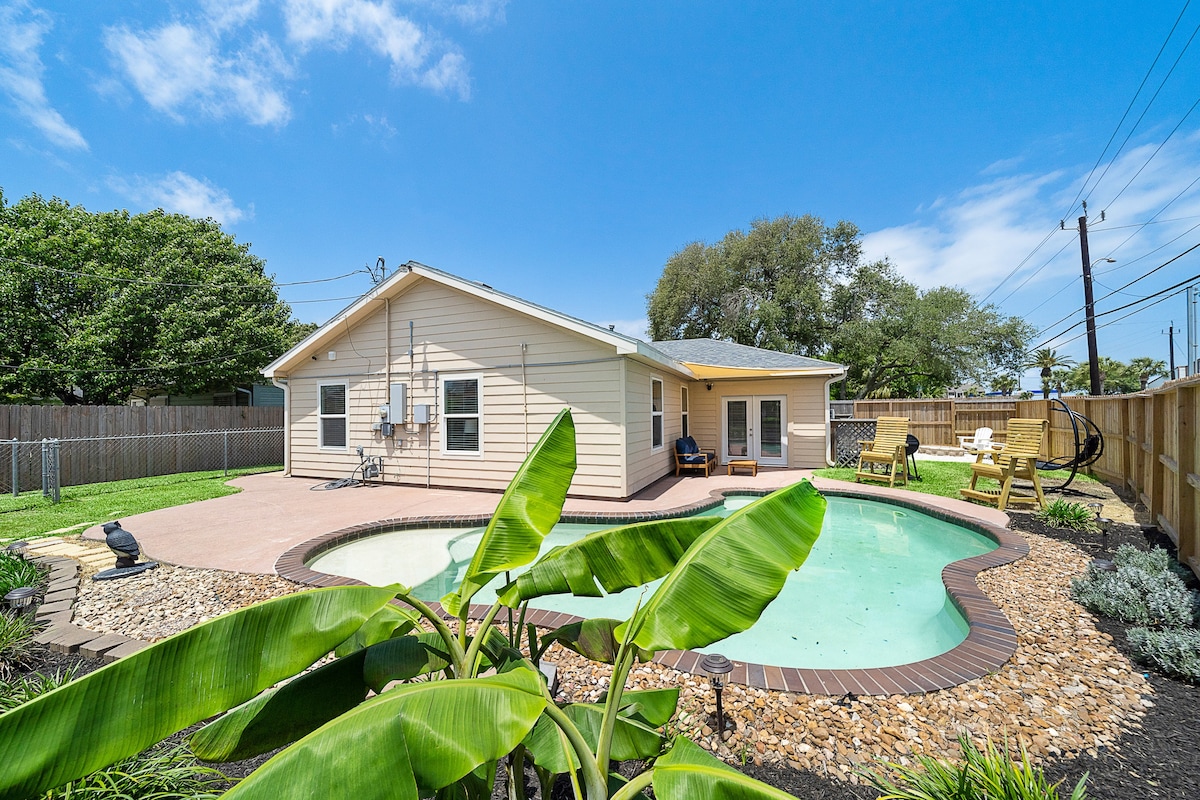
(945, 478)
(30, 515)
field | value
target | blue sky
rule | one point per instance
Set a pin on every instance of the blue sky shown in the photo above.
(563, 151)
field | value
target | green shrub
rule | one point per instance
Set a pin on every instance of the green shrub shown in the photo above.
(164, 772)
(1145, 589)
(16, 642)
(990, 774)
(16, 572)
(26, 687)
(1065, 514)
(1174, 652)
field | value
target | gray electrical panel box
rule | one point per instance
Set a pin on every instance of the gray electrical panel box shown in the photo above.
(421, 414)
(398, 399)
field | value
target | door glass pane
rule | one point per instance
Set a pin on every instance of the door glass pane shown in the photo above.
(770, 429)
(737, 439)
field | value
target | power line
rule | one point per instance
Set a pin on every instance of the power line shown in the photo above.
(1031, 275)
(1128, 108)
(1156, 150)
(79, 274)
(151, 368)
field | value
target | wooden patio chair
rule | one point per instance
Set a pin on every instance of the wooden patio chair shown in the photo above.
(689, 456)
(888, 446)
(1018, 459)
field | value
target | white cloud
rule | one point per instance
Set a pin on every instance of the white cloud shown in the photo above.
(477, 13)
(975, 238)
(21, 73)
(181, 193)
(178, 66)
(417, 57)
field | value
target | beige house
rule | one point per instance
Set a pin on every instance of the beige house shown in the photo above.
(451, 382)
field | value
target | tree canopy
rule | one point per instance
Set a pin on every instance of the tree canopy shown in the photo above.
(99, 306)
(803, 287)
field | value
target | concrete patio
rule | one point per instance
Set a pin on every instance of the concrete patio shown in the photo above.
(248, 531)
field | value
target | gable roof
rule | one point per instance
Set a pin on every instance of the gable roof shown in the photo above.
(413, 271)
(697, 359)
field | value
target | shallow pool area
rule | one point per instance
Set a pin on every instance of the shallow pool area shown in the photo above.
(870, 595)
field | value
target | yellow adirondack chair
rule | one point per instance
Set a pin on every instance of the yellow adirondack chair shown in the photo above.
(891, 439)
(1018, 459)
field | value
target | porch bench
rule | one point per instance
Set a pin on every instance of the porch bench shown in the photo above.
(688, 455)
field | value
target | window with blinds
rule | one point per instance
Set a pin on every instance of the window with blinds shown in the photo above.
(461, 415)
(333, 421)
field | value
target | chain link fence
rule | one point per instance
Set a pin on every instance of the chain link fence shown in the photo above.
(52, 463)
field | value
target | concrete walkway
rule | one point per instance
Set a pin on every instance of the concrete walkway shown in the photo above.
(247, 532)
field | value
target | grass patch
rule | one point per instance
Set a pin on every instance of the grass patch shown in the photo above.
(30, 515)
(942, 478)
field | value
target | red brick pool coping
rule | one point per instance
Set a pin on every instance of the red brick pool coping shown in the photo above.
(990, 642)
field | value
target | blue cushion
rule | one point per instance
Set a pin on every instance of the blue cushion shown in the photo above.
(699, 458)
(686, 446)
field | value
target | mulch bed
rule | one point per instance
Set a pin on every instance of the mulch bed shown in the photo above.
(1161, 759)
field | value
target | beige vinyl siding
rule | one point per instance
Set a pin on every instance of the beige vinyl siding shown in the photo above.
(454, 333)
(646, 465)
(807, 415)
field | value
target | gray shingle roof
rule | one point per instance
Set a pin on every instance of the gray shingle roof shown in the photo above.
(713, 353)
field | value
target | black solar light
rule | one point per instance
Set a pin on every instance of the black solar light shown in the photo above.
(715, 667)
(17, 549)
(1103, 523)
(21, 598)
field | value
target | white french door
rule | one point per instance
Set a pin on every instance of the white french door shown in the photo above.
(754, 428)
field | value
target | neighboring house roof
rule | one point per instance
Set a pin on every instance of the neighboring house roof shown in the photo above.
(714, 353)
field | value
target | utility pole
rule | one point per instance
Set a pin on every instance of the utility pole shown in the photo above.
(1171, 346)
(1093, 359)
(1191, 332)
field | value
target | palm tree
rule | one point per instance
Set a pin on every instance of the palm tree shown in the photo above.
(1046, 359)
(1146, 368)
(1005, 384)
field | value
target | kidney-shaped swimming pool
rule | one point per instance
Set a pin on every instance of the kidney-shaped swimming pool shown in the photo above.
(869, 595)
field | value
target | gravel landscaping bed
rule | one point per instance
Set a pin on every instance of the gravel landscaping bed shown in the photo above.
(1070, 692)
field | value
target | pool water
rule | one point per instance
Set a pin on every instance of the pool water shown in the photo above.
(869, 595)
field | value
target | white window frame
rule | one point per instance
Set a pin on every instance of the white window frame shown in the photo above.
(662, 395)
(685, 427)
(322, 416)
(445, 417)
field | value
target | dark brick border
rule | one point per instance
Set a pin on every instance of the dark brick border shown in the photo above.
(990, 643)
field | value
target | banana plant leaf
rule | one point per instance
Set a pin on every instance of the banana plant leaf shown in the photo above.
(283, 715)
(530, 507)
(636, 734)
(687, 772)
(731, 572)
(404, 658)
(594, 639)
(123, 708)
(386, 623)
(617, 558)
(406, 743)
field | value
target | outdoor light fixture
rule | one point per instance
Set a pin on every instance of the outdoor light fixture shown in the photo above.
(715, 667)
(708, 386)
(17, 549)
(21, 598)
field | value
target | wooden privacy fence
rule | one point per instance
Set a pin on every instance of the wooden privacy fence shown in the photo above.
(72, 446)
(1151, 446)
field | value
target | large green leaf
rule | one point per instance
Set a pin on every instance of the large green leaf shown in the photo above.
(687, 772)
(530, 507)
(403, 658)
(388, 622)
(593, 639)
(635, 735)
(132, 703)
(281, 716)
(406, 743)
(731, 573)
(617, 558)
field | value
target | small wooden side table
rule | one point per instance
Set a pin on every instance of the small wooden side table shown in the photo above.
(743, 463)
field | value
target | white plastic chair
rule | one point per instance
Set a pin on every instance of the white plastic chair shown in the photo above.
(982, 440)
